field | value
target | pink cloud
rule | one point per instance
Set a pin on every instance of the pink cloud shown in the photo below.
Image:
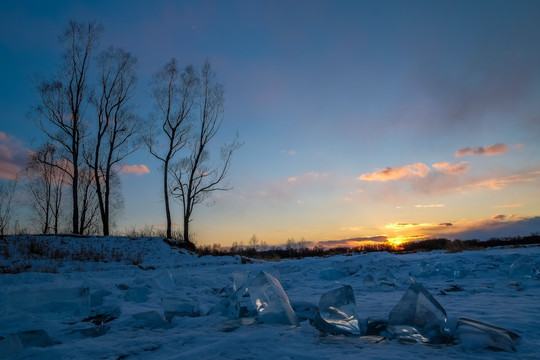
(135, 169)
(481, 150)
(13, 156)
(399, 172)
(452, 169)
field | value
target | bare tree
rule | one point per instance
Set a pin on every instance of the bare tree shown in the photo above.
(174, 95)
(195, 178)
(116, 125)
(7, 191)
(89, 207)
(63, 101)
(45, 186)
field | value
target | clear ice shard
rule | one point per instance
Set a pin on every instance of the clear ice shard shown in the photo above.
(180, 306)
(337, 312)
(270, 300)
(419, 317)
(472, 333)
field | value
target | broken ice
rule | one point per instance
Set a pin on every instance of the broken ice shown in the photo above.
(17, 342)
(333, 274)
(474, 333)
(270, 300)
(524, 269)
(419, 317)
(337, 312)
(180, 306)
(65, 304)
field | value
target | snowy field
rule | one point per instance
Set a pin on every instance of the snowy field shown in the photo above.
(119, 307)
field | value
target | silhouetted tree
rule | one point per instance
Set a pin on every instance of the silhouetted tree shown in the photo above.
(45, 185)
(63, 101)
(174, 95)
(195, 178)
(7, 191)
(116, 125)
(89, 207)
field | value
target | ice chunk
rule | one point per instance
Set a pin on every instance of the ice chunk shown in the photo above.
(337, 312)
(17, 342)
(369, 282)
(240, 280)
(422, 270)
(10, 345)
(137, 294)
(333, 274)
(523, 269)
(419, 317)
(474, 333)
(66, 303)
(388, 279)
(180, 306)
(150, 320)
(229, 307)
(270, 300)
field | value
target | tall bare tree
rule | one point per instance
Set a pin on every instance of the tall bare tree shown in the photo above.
(45, 185)
(116, 125)
(63, 101)
(195, 177)
(174, 96)
(7, 191)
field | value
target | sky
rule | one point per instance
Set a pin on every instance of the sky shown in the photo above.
(361, 120)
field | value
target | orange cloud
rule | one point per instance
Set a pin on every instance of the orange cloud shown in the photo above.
(399, 172)
(452, 169)
(509, 206)
(292, 179)
(430, 206)
(481, 150)
(135, 169)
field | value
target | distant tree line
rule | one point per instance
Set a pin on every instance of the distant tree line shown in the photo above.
(86, 111)
(298, 250)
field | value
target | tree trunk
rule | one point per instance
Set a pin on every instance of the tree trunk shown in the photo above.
(75, 192)
(166, 195)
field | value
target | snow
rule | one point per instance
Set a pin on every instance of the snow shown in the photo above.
(116, 308)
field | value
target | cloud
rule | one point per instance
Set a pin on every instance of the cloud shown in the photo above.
(13, 156)
(292, 179)
(509, 206)
(499, 228)
(399, 172)
(499, 217)
(452, 169)
(481, 150)
(430, 206)
(288, 152)
(499, 183)
(359, 241)
(135, 169)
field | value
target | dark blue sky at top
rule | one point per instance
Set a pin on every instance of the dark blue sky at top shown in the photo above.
(345, 86)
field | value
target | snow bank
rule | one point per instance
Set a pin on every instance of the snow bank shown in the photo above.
(147, 308)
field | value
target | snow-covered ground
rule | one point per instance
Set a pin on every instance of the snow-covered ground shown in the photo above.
(120, 299)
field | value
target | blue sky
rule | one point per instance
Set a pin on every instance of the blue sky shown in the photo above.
(325, 95)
